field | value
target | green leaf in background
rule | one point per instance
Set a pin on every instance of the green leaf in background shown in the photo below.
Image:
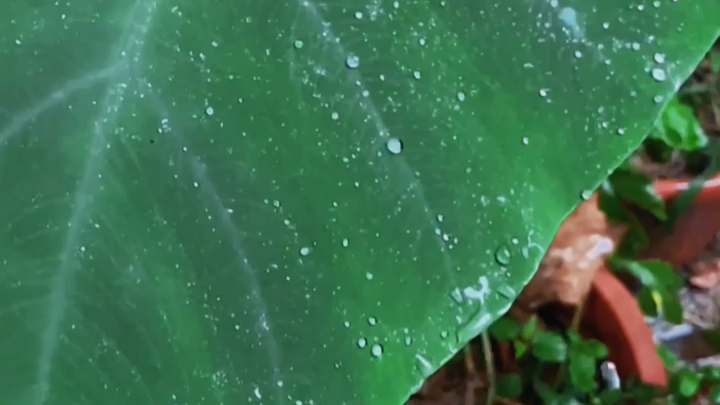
(661, 285)
(505, 329)
(583, 356)
(636, 238)
(686, 382)
(509, 385)
(582, 369)
(294, 202)
(530, 328)
(637, 188)
(715, 61)
(668, 357)
(550, 347)
(655, 274)
(711, 373)
(678, 127)
(714, 394)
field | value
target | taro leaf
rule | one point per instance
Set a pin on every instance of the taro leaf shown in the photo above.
(204, 201)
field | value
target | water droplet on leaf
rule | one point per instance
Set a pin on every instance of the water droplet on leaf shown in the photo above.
(394, 146)
(502, 255)
(352, 61)
(362, 342)
(376, 350)
(658, 74)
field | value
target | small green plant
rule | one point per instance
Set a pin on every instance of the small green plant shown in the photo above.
(546, 358)
(563, 368)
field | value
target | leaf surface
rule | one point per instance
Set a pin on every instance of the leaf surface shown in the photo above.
(222, 202)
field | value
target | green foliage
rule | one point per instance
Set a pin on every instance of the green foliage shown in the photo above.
(505, 329)
(715, 61)
(661, 284)
(549, 347)
(679, 128)
(543, 349)
(636, 188)
(510, 385)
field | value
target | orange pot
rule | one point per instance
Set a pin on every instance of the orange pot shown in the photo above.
(612, 312)
(613, 316)
(694, 230)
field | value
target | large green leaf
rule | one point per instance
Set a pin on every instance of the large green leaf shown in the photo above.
(203, 201)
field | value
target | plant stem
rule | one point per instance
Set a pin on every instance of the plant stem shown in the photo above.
(577, 316)
(472, 372)
(489, 368)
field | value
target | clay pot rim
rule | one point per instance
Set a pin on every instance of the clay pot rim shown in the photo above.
(670, 188)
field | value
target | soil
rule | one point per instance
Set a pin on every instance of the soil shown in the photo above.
(462, 380)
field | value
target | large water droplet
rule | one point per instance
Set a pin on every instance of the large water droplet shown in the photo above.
(502, 255)
(586, 194)
(209, 110)
(352, 61)
(372, 321)
(362, 342)
(394, 146)
(658, 74)
(304, 251)
(298, 44)
(376, 350)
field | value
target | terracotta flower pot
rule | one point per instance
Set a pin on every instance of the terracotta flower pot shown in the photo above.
(613, 316)
(694, 230)
(611, 311)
